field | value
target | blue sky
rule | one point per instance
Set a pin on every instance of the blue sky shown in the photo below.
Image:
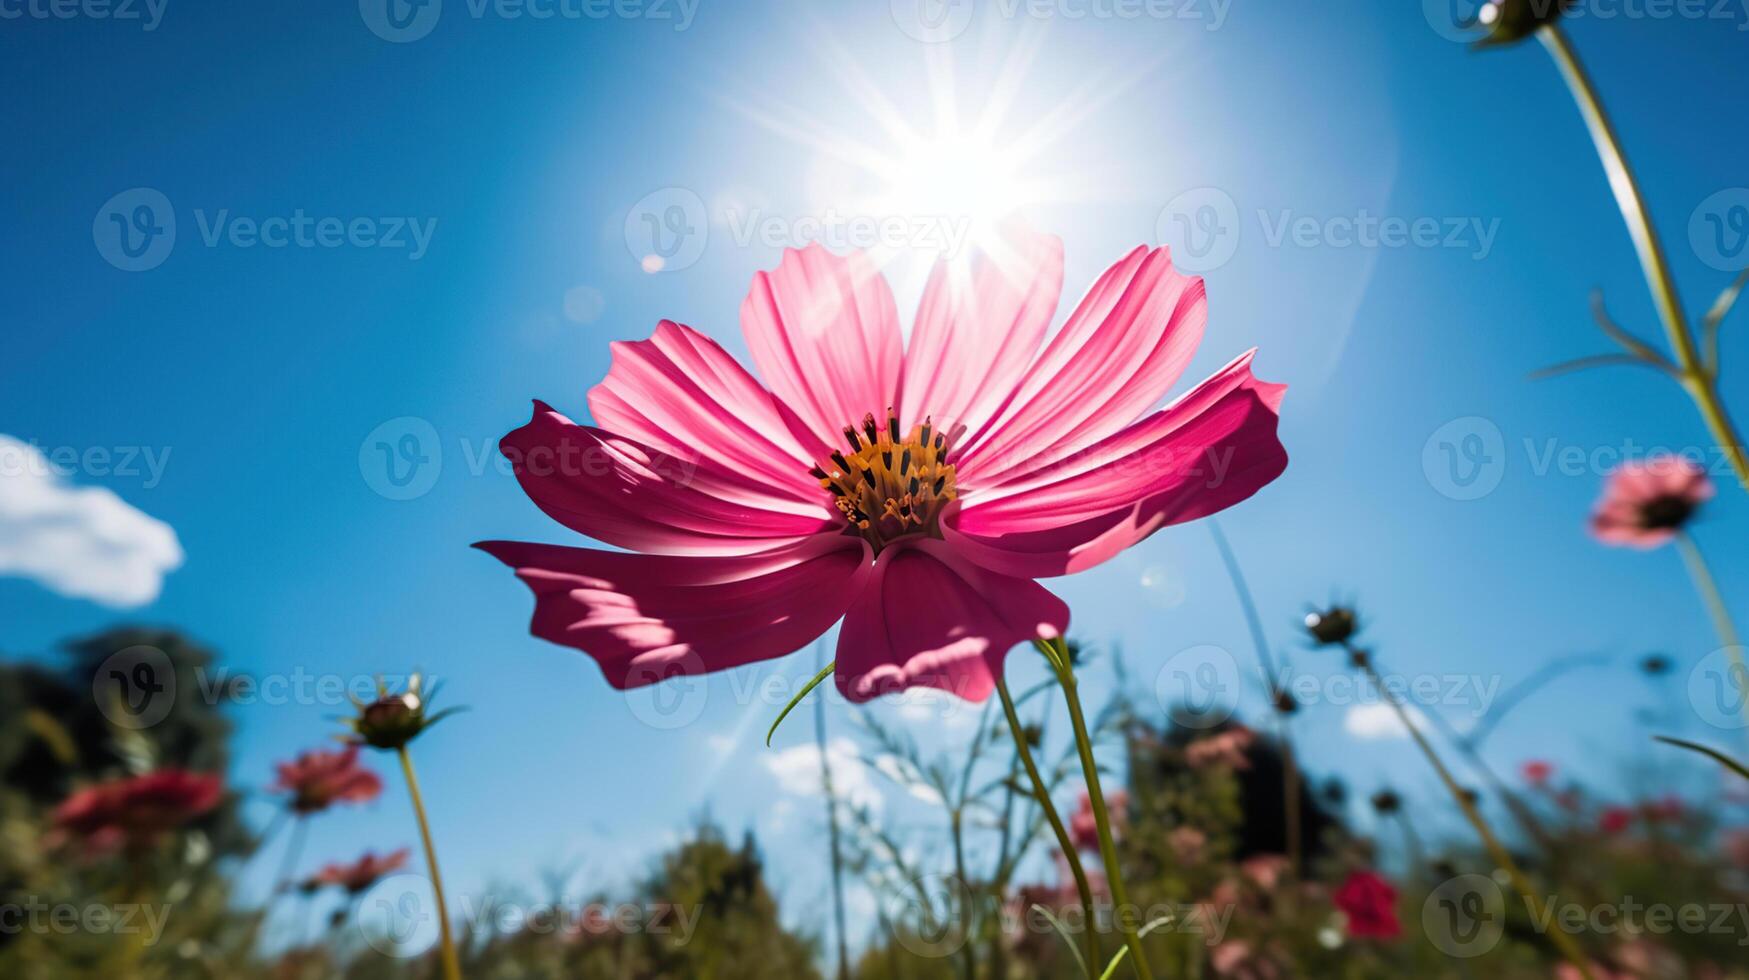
(521, 146)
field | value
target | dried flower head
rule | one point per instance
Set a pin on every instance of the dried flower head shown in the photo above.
(1511, 21)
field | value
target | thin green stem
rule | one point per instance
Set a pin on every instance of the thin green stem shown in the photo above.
(1695, 375)
(452, 966)
(1708, 587)
(1065, 843)
(1496, 850)
(1123, 912)
(294, 849)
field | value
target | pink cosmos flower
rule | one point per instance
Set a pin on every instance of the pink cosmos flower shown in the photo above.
(317, 780)
(1537, 772)
(1615, 819)
(912, 489)
(1646, 502)
(361, 874)
(134, 812)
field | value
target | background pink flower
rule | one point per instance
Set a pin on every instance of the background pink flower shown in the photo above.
(1646, 502)
(361, 874)
(914, 491)
(135, 811)
(317, 780)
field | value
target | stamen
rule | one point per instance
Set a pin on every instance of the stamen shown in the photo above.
(889, 486)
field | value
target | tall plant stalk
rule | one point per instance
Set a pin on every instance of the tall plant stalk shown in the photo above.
(1695, 372)
(1708, 587)
(1496, 850)
(832, 832)
(1065, 844)
(452, 967)
(1057, 653)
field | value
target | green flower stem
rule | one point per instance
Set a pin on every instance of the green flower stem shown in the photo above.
(1058, 654)
(1090, 936)
(294, 850)
(1496, 850)
(1695, 375)
(452, 967)
(1708, 587)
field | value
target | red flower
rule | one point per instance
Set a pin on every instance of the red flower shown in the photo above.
(135, 811)
(362, 873)
(1537, 772)
(1615, 819)
(1667, 809)
(1645, 503)
(1370, 904)
(318, 780)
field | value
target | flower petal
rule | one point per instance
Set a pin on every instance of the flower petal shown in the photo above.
(681, 393)
(824, 333)
(978, 327)
(1212, 448)
(648, 617)
(1118, 354)
(629, 495)
(930, 619)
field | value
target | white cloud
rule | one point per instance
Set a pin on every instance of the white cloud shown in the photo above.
(1379, 721)
(84, 542)
(797, 770)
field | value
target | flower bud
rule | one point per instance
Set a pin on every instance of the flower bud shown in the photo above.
(1387, 801)
(1333, 626)
(394, 719)
(1511, 21)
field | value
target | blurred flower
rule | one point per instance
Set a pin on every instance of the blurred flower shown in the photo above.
(1264, 870)
(1615, 819)
(134, 812)
(1387, 801)
(1646, 502)
(1237, 959)
(1734, 844)
(1084, 827)
(1334, 626)
(1284, 702)
(1369, 904)
(320, 779)
(1227, 748)
(1187, 844)
(751, 514)
(393, 720)
(1510, 21)
(361, 874)
(1537, 772)
(1665, 809)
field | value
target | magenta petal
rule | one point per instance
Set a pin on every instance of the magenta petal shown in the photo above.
(681, 393)
(1207, 451)
(930, 619)
(648, 617)
(1119, 353)
(978, 327)
(627, 494)
(824, 333)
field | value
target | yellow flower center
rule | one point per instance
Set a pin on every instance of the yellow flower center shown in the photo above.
(889, 487)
